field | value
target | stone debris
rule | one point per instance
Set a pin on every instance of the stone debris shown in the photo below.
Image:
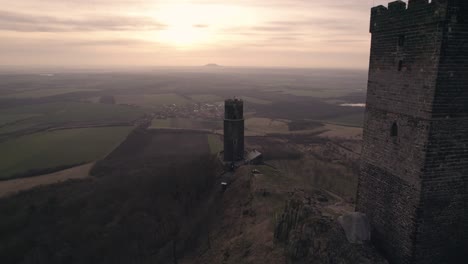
(310, 237)
(356, 227)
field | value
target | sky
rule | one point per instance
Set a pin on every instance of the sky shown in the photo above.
(137, 33)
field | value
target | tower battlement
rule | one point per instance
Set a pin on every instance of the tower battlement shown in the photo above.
(398, 13)
(234, 109)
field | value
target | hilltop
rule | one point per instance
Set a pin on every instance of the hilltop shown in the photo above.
(212, 65)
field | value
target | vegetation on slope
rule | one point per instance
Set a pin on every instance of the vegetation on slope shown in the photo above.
(143, 211)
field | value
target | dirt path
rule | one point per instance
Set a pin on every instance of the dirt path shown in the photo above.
(16, 185)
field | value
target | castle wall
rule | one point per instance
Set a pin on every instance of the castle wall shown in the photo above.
(442, 228)
(443, 225)
(389, 185)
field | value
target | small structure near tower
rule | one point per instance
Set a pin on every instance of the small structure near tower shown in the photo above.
(233, 130)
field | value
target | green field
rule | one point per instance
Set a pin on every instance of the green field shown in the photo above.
(215, 143)
(46, 92)
(206, 98)
(61, 114)
(161, 123)
(186, 123)
(58, 149)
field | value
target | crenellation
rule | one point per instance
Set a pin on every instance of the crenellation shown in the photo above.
(398, 15)
(397, 6)
(417, 3)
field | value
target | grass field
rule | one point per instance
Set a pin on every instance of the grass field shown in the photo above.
(152, 100)
(264, 126)
(46, 92)
(57, 149)
(215, 143)
(60, 114)
(161, 123)
(206, 98)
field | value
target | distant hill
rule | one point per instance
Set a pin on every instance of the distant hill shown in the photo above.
(212, 65)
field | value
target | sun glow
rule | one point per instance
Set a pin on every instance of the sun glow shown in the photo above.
(192, 26)
(184, 36)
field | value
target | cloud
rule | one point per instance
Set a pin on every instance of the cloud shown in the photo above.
(14, 21)
(201, 26)
(261, 32)
(111, 42)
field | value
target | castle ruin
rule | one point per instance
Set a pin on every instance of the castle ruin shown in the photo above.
(413, 184)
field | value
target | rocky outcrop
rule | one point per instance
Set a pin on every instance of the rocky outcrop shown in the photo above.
(310, 237)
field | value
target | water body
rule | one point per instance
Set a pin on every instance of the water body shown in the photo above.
(354, 105)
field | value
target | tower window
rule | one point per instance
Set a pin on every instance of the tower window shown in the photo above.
(400, 65)
(394, 130)
(401, 41)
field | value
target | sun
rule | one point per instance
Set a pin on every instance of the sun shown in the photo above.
(184, 35)
(190, 26)
(185, 26)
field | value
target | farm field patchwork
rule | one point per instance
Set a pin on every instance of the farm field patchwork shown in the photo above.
(39, 93)
(255, 100)
(61, 114)
(316, 93)
(206, 98)
(57, 149)
(186, 123)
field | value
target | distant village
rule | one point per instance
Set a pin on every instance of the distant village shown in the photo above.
(206, 111)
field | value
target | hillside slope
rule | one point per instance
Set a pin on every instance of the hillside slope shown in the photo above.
(150, 201)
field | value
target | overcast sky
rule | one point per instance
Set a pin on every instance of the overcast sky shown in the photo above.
(278, 33)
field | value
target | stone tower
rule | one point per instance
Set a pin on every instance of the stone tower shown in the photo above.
(413, 184)
(233, 130)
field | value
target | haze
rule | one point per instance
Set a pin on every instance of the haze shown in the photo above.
(104, 33)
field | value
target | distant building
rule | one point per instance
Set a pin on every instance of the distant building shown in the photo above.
(413, 185)
(254, 157)
(233, 130)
